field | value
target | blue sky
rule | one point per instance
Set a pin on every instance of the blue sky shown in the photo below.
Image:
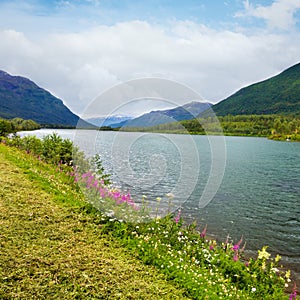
(78, 49)
(84, 13)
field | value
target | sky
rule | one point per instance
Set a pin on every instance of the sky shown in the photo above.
(79, 49)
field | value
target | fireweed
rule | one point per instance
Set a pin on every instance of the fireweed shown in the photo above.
(109, 200)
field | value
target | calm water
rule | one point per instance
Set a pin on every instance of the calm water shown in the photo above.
(259, 196)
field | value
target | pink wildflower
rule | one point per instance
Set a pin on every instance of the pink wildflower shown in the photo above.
(293, 295)
(177, 218)
(236, 247)
(203, 233)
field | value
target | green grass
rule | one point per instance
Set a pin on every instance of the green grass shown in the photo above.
(51, 248)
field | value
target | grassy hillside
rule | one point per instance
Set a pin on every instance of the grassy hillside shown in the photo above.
(20, 97)
(277, 95)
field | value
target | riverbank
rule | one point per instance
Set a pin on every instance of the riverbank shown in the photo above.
(52, 248)
(56, 245)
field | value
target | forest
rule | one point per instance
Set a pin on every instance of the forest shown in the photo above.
(15, 125)
(272, 126)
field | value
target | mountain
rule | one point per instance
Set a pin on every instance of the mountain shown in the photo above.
(108, 121)
(20, 97)
(185, 112)
(277, 95)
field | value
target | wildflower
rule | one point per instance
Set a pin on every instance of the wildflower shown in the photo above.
(212, 245)
(293, 295)
(95, 184)
(236, 247)
(177, 218)
(276, 270)
(203, 233)
(236, 257)
(277, 258)
(227, 239)
(263, 254)
(242, 250)
(158, 199)
(253, 290)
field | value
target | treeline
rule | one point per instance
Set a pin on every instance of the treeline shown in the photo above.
(274, 126)
(17, 124)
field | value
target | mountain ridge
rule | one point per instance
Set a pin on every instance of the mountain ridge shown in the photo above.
(23, 98)
(187, 111)
(107, 121)
(279, 94)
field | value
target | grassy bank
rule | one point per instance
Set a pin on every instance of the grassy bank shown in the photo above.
(56, 245)
(52, 244)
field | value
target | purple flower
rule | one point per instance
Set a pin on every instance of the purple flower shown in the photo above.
(203, 233)
(116, 195)
(236, 257)
(177, 218)
(293, 295)
(236, 247)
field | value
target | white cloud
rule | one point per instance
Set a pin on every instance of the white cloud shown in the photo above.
(77, 67)
(279, 15)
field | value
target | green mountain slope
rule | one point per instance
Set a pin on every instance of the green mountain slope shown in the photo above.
(20, 97)
(277, 95)
(185, 112)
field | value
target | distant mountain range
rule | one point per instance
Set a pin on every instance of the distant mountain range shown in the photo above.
(20, 97)
(153, 118)
(108, 121)
(277, 95)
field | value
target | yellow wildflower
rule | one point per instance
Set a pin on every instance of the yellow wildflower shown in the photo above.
(277, 258)
(263, 254)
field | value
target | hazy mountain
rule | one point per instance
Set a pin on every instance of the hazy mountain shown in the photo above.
(277, 95)
(185, 112)
(20, 97)
(108, 121)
